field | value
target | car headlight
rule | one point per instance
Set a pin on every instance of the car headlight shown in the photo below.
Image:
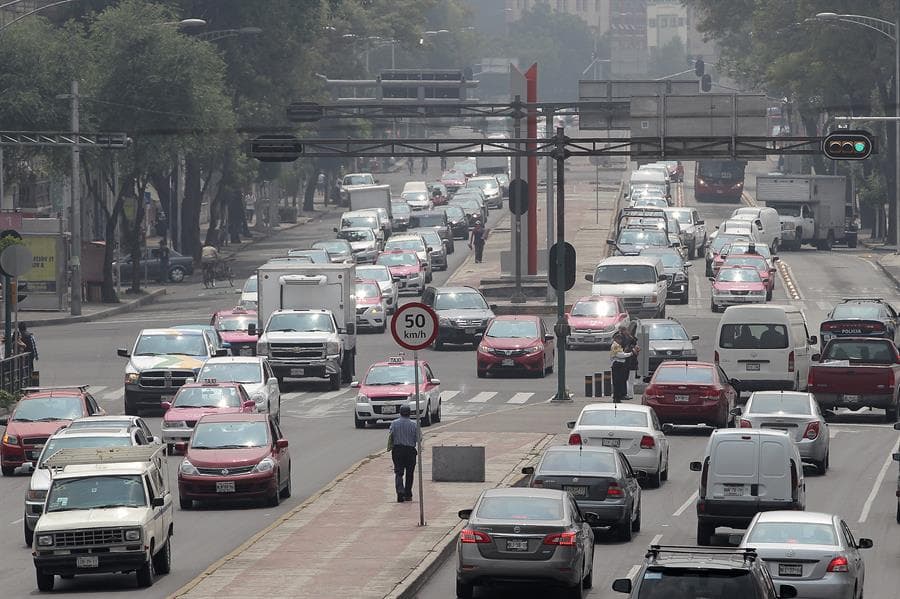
(362, 398)
(653, 352)
(534, 350)
(175, 424)
(654, 297)
(131, 378)
(10, 439)
(444, 322)
(332, 348)
(376, 309)
(679, 277)
(262, 348)
(265, 465)
(45, 540)
(187, 468)
(133, 534)
(484, 348)
(36, 494)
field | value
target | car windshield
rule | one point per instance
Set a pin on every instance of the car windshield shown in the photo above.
(352, 235)
(723, 239)
(739, 275)
(317, 256)
(467, 300)
(643, 237)
(793, 533)
(91, 441)
(432, 239)
(587, 462)
(682, 216)
(650, 201)
(454, 212)
(753, 336)
(307, 322)
(414, 196)
(416, 245)
(250, 285)
(863, 352)
(398, 259)
(236, 372)
(171, 344)
(230, 435)
(512, 329)
(595, 308)
(349, 222)
(768, 403)
(367, 290)
(334, 247)
(426, 220)
(520, 508)
(377, 273)
(754, 261)
(696, 583)
(668, 332)
(618, 274)
(863, 311)
(400, 209)
(669, 259)
(392, 374)
(684, 374)
(96, 492)
(613, 418)
(358, 180)
(38, 409)
(211, 397)
(234, 323)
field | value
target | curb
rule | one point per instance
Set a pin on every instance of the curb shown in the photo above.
(895, 279)
(122, 308)
(875, 247)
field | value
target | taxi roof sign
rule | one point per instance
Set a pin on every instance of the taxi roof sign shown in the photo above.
(395, 360)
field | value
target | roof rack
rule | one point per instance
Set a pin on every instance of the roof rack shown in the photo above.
(56, 388)
(749, 554)
(104, 455)
(858, 299)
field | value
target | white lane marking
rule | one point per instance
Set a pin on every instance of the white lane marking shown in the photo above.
(483, 397)
(655, 540)
(633, 571)
(520, 398)
(878, 480)
(448, 395)
(690, 501)
(17, 521)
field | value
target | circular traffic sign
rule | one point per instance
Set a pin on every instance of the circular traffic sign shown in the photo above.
(15, 260)
(414, 326)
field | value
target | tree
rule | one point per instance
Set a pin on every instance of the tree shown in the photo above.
(669, 59)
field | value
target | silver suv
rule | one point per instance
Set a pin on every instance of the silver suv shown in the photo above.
(693, 226)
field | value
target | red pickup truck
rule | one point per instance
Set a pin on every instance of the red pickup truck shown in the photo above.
(855, 373)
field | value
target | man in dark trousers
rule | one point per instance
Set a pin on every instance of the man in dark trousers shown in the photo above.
(25, 342)
(479, 235)
(623, 349)
(402, 440)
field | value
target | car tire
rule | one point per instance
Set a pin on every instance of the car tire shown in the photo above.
(286, 491)
(185, 503)
(705, 534)
(665, 473)
(44, 581)
(464, 591)
(274, 500)
(768, 296)
(686, 298)
(426, 419)
(335, 381)
(654, 481)
(438, 344)
(162, 561)
(29, 534)
(481, 374)
(382, 328)
(623, 531)
(890, 415)
(144, 574)
(822, 466)
(576, 591)
(8, 470)
(177, 274)
(898, 511)
(358, 423)
(712, 306)
(636, 523)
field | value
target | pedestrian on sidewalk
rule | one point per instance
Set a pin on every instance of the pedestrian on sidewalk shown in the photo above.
(623, 349)
(411, 163)
(479, 236)
(24, 342)
(402, 439)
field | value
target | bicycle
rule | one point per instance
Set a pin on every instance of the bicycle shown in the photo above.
(218, 270)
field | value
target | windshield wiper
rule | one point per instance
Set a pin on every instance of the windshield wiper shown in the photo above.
(22, 420)
(108, 506)
(235, 446)
(49, 419)
(284, 330)
(147, 354)
(180, 353)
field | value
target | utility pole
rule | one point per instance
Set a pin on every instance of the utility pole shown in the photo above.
(75, 262)
(548, 127)
(518, 296)
(2, 195)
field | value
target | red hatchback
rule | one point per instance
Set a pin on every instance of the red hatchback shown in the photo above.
(516, 344)
(690, 393)
(234, 456)
(406, 269)
(232, 326)
(39, 414)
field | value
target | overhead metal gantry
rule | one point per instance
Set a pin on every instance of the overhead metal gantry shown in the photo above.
(113, 141)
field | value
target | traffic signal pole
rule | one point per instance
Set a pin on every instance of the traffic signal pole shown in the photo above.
(562, 327)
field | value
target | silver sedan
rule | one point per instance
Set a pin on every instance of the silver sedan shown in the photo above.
(797, 414)
(815, 553)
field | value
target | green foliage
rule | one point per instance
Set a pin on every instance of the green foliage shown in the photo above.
(8, 400)
(9, 240)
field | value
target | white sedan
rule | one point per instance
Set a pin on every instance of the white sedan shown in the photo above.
(632, 429)
(254, 373)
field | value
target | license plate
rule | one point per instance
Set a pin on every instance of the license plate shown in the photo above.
(516, 545)
(752, 366)
(470, 331)
(734, 490)
(509, 362)
(246, 351)
(610, 442)
(298, 371)
(853, 398)
(226, 486)
(683, 398)
(87, 561)
(576, 491)
(388, 409)
(587, 339)
(790, 570)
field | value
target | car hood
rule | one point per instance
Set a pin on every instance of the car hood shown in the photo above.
(737, 286)
(177, 414)
(35, 429)
(141, 363)
(237, 337)
(226, 458)
(398, 391)
(593, 322)
(623, 289)
(404, 270)
(467, 314)
(509, 343)
(361, 246)
(367, 301)
(277, 336)
(670, 344)
(99, 518)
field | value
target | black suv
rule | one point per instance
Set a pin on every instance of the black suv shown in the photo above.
(676, 572)
(860, 317)
(463, 314)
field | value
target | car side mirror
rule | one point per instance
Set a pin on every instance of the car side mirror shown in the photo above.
(123, 353)
(611, 242)
(226, 345)
(158, 501)
(570, 424)
(813, 340)
(816, 357)
(897, 426)
(335, 229)
(668, 428)
(528, 470)
(220, 352)
(591, 518)
(281, 444)
(787, 591)
(700, 222)
(493, 307)
(661, 278)
(165, 405)
(736, 412)
(646, 379)
(251, 329)
(464, 514)
(688, 264)
(695, 337)
(430, 249)
(622, 585)
(711, 279)
(272, 380)
(435, 381)
(354, 384)
(181, 446)
(589, 278)
(864, 543)
(248, 405)
(189, 380)
(734, 383)
(696, 466)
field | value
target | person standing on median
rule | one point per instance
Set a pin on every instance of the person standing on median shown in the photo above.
(620, 353)
(479, 236)
(402, 439)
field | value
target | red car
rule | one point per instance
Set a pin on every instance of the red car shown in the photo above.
(690, 393)
(232, 326)
(736, 286)
(594, 320)
(406, 269)
(516, 343)
(453, 180)
(370, 308)
(39, 414)
(195, 400)
(389, 385)
(234, 456)
(758, 262)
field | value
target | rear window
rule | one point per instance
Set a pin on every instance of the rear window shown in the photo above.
(799, 533)
(578, 461)
(613, 418)
(753, 336)
(622, 274)
(684, 374)
(867, 311)
(696, 583)
(520, 508)
(864, 352)
(790, 404)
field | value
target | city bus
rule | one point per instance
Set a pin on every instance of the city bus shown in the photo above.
(719, 179)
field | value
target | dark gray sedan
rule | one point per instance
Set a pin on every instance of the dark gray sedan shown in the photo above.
(525, 536)
(601, 481)
(339, 250)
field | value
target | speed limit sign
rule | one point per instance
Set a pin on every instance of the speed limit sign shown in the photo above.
(414, 326)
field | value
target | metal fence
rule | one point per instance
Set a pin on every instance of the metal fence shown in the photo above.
(16, 372)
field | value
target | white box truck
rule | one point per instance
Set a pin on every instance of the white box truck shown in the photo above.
(811, 208)
(307, 320)
(376, 197)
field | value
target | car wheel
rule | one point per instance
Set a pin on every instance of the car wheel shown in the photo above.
(185, 503)
(623, 531)
(576, 591)
(44, 581)
(705, 534)
(144, 574)
(636, 524)
(29, 534)
(890, 415)
(665, 473)
(274, 500)
(898, 511)
(335, 381)
(481, 374)
(358, 423)
(822, 466)
(768, 296)
(654, 481)
(463, 590)
(437, 415)
(177, 274)
(8, 470)
(686, 298)
(162, 561)
(286, 491)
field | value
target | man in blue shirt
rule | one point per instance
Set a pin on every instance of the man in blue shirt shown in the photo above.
(402, 440)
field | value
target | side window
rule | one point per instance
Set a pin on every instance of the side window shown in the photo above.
(851, 542)
(626, 467)
(139, 437)
(276, 432)
(695, 216)
(764, 580)
(655, 421)
(93, 408)
(145, 428)
(267, 370)
(428, 373)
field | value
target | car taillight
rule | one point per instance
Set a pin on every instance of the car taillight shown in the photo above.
(647, 442)
(746, 424)
(812, 431)
(468, 535)
(561, 538)
(575, 439)
(791, 362)
(614, 490)
(716, 357)
(537, 483)
(811, 378)
(704, 476)
(709, 393)
(839, 564)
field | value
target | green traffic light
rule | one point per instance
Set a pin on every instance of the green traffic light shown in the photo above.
(859, 146)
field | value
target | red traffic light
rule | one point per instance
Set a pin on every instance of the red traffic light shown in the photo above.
(848, 145)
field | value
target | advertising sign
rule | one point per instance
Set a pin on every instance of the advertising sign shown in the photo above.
(42, 277)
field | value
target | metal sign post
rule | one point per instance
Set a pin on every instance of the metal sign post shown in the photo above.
(419, 440)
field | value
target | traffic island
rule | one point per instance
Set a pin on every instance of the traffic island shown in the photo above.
(389, 554)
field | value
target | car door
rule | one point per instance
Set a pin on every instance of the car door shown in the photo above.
(585, 536)
(273, 392)
(156, 489)
(282, 456)
(661, 440)
(432, 391)
(631, 483)
(730, 393)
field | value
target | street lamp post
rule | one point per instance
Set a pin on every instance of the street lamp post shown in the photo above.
(892, 32)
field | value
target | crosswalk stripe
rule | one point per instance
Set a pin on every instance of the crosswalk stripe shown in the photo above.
(520, 398)
(483, 397)
(331, 394)
(448, 395)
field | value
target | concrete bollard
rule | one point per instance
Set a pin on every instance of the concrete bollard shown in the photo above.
(457, 464)
(607, 383)
(588, 385)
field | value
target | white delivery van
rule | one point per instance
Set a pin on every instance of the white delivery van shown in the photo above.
(650, 177)
(768, 225)
(764, 347)
(744, 472)
(415, 186)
